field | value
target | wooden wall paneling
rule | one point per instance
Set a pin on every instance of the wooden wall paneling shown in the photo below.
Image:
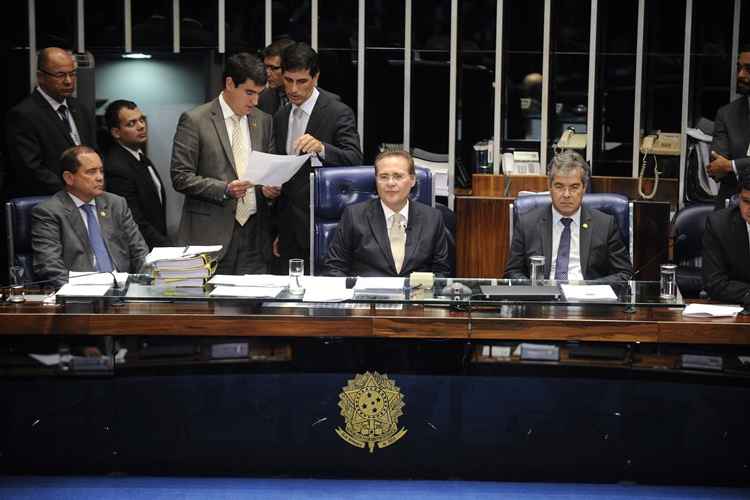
(482, 245)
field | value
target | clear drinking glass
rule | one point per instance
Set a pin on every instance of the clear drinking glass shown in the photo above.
(296, 270)
(668, 281)
(536, 267)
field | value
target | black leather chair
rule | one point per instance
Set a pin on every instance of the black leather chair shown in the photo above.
(334, 188)
(688, 225)
(18, 221)
(613, 204)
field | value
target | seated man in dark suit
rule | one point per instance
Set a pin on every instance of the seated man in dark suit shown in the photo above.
(726, 249)
(389, 235)
(132, 175)
(577, 243)
(83, 228)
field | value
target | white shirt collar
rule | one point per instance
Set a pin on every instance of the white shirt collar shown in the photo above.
(389, 213)
(133, 152)
(309, 104)
(556, 216)
(226, 111)
(51, 101)
(79, 202)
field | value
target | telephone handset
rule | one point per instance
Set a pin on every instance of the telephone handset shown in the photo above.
(660, 144)
(570, 140)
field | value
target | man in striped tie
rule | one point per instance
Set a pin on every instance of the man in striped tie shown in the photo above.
(82, 227)
(577, 242)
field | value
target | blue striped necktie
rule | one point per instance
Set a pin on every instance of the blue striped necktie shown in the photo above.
(103, 262)
(563, 252)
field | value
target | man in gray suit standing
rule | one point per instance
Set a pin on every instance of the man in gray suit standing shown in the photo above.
(730, 150)
(83, 228)
(211, 152)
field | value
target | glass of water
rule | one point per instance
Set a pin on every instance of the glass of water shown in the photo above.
(668, 281)
(296, 270)
(536, 267)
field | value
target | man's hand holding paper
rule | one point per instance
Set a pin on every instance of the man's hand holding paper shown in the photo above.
(272, 170)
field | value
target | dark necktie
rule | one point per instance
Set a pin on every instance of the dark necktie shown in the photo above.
(62, 110)
(152, 173)
(563, 251)
(103, 262)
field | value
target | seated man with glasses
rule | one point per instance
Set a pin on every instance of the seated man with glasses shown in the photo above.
(389, 235)
(45, 124)
(577, 243)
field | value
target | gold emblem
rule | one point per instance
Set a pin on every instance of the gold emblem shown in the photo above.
(371, 404)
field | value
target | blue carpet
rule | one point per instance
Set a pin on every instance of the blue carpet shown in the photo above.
(169, 488)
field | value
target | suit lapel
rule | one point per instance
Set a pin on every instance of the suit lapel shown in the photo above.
(282, 132)
(740, 227)
(413, 234)
(546, 230)
(317, 116)
(744, 123)
(376, 221)
(106, 225)
(53, 116)
(142, 171)
(217, 118)
(73, 214)
(256, 134)
(584, 232)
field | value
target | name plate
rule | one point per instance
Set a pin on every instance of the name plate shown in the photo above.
(540, 352)
(699, 362)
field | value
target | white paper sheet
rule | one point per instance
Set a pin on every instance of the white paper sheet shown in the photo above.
(245, 291)
(253, 280)
(710, 310)
(588, 292)
(272, 170)
(166, 253)
(388, 283)
(69, 290)
(79, 278)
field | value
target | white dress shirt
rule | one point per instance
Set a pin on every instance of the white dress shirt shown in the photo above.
(152, 173)
(227, 112)
(389, 215)
(79, 204)
(574, 258)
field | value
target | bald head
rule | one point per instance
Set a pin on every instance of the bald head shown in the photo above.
(56, 73)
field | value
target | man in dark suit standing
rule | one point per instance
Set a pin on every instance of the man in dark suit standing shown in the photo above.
(131, 174)
(211, 152)
(273, 96)
(313, 122)
(45, 124)
(730, 150)
(389, 235)
(82, 227)
(726, 249)
(578, 243)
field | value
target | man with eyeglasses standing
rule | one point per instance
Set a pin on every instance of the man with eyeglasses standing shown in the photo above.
(46, 123)
(730, 150)
(578, 243)
(273, 96)
(389, 235)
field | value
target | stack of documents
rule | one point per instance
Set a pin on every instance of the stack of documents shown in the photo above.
(249, 286)
(182, 266)
(91, 284)
(710, 310)
(589, 293)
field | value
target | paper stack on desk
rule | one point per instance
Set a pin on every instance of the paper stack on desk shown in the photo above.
(710, 310)
(589, 293)
(182, 266)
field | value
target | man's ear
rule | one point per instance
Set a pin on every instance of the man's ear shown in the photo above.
(229, 83)
(115, 132)
(68, 178)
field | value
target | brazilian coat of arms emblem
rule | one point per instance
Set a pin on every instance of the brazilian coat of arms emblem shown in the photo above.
(371, 404)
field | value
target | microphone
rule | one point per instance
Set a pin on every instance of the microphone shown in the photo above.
(50, 280)
(657, 255)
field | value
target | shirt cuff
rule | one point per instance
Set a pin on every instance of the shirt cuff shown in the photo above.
(734, 168)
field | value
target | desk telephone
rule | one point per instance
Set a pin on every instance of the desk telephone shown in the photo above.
(570, 140)
(659, 144)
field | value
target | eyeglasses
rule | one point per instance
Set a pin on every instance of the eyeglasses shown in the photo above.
(384, 178)
(271, 67)
(62, 74)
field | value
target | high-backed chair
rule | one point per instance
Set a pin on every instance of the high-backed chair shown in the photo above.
(687, 230)
(334, 188)
(613, 204)
(18, 222)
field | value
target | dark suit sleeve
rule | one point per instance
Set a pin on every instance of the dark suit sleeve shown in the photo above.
(46, 243)
(120, 183)
(440, 261)
(345, 149)
(720, 142)
(716, 270)
(25, 148)
(619, 261)
(184, 166)
(137, 247)
(338, 260)
(516, 267)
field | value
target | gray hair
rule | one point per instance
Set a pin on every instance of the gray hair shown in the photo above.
(565, 163)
